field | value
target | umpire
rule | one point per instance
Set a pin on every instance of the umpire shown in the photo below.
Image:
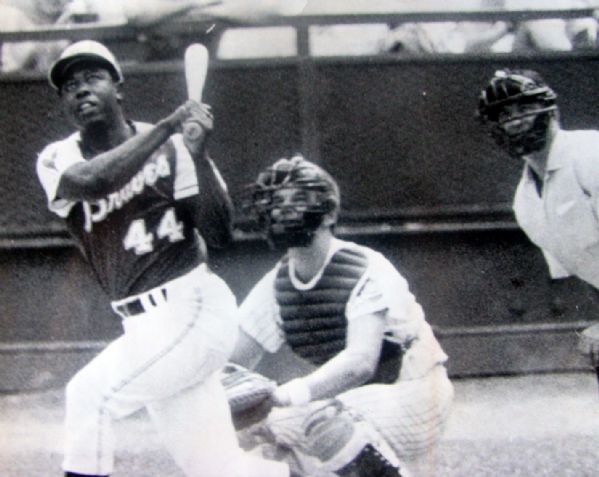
(557, 199)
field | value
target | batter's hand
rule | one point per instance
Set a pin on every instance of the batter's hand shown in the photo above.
(191, 111)
(200, 114)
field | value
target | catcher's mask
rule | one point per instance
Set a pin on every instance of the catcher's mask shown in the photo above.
(519, 95)
(289, 200)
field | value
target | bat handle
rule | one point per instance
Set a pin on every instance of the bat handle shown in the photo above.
(192, 131)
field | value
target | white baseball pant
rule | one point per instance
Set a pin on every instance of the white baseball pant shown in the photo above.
(409, 414)
(166, 361)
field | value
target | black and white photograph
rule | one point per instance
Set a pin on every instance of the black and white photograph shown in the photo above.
(299, 238)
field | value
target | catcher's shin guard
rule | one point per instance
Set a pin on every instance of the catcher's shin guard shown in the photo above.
(347, 445)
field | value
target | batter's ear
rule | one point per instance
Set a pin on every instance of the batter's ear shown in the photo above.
(119, 94)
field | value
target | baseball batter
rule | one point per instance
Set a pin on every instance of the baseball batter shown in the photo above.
(372, 390)
(141, 203)
(556, 202)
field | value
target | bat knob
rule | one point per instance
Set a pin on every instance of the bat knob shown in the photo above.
(192, 131)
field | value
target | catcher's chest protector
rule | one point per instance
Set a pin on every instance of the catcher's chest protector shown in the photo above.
(314, 320)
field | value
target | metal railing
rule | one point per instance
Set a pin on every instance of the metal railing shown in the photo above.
(194, 23)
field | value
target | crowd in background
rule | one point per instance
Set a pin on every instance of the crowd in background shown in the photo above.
(22, 15)
(240, 34)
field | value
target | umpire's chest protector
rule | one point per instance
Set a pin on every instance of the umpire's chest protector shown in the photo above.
(314, 320)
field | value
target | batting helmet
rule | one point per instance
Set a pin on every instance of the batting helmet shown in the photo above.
(86, 50)
(533, 97)
(304, 213)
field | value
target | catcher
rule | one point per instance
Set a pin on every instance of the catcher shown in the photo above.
(371, 393)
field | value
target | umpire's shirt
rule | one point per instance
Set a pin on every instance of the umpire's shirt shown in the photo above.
(563, 220)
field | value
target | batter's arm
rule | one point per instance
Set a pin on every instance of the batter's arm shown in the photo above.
(352, 367)
(111, 170)
(212, 208)
(213, 215)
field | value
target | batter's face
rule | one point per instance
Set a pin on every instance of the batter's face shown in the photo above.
(90, 95)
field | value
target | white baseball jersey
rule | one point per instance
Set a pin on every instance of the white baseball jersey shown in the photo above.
(410, 413)
(141, 235)
(382, 288)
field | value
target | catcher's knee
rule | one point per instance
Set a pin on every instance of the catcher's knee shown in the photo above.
(347, 445)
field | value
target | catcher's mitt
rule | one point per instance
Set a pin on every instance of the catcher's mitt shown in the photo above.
(249, 394)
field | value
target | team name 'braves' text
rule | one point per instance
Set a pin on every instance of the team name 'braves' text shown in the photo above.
(98, 210)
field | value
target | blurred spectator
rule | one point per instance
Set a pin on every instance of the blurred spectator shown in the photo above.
(159, 46)
(105, 11)
(339, 40)
(413, 38)
(444, 37)
(582, 33)
(229, 42)
(554, 34)
(28, 15)
(542, 35)
(39, 12)
(152, 12)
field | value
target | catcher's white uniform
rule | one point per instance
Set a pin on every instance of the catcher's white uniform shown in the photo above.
(410, 412)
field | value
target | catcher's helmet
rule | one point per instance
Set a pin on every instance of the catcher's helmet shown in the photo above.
(513, 95)
(292, 221)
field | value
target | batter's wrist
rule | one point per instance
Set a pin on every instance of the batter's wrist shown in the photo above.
(167, 126)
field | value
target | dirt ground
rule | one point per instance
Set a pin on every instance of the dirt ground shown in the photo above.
(535, 425)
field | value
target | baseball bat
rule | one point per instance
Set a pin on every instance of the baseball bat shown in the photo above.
(196, 68)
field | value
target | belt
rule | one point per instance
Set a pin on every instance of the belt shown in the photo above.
(142, 303)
